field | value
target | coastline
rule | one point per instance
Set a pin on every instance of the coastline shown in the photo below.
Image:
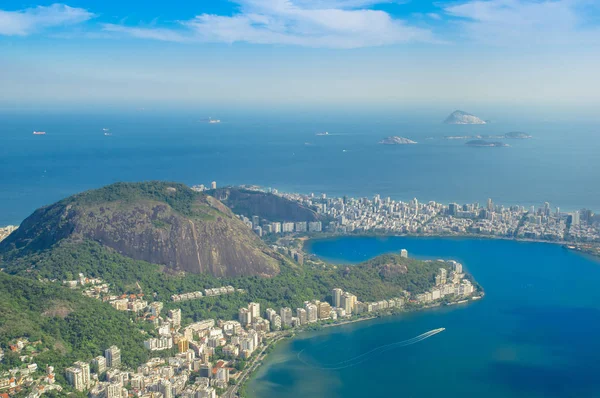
(288, 334)
(577, 247)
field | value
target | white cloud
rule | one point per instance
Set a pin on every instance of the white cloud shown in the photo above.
(310, 23)
(31, 20)
(517, 22)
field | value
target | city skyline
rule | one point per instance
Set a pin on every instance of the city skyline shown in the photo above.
(300, 51)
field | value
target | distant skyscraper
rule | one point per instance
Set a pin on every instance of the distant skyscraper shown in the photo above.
(490, 204)
(453, 209)
(336, 295)
(213, 185)
(575, 218)
(255, 221)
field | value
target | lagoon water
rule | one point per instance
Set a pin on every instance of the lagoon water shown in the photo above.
(535, 334)
(280, 149)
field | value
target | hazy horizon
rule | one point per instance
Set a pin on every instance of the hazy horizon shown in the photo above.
(324, 52)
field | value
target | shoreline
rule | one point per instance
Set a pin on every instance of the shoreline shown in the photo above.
(572, 246)
(254, 366)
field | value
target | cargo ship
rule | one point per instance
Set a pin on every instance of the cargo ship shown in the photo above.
(39, 133)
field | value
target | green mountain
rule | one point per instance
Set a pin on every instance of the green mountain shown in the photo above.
(157, 222)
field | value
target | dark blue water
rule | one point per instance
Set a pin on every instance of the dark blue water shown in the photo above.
(535, 334)
(269, 148)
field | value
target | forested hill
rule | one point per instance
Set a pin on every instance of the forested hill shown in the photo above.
(68, 325)
(264, 205)
(158, 222)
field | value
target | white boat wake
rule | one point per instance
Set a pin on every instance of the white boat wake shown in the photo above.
(363, 357)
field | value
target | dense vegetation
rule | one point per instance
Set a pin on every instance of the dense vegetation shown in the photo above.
(382, 277)
(69, 326)
(178, 196)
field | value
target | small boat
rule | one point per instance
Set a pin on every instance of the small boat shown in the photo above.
(39, 133)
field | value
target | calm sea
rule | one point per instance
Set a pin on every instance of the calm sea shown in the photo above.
(535, 334)
(280, 149)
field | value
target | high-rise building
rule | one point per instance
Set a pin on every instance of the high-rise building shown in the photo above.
(164, 387)
(75, 378)
(312, 312)
(324, 310)
(85, 373)
(315, 226)
(348, 302)
(245, 316)
(100, 364)
(255, 221)
(458, 268)
(183, 345)
(336, 296)
(575, 218)
(286, 316)
(113, 357)
(213, 185)
(490, 205)
(276, 227)
(175, 316)
(301, 315)
(404, 253)
(453, 209)
(441, 277)
(301, 226)
(254, 309)
(287, 227)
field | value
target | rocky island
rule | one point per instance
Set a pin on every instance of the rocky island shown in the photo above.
(517, 135)
(395, 140)
(461, 117)
(483, 143)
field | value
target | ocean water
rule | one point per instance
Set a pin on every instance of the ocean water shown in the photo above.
(280, 149)
(535, 334)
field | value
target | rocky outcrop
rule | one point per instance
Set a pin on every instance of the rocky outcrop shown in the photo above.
(184, 231)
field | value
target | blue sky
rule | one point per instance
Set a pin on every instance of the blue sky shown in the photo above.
(301, 51)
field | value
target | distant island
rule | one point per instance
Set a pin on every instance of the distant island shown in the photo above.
(517, 135)
(395, 140)
(483, 143)
(511, 135)
(460, 117)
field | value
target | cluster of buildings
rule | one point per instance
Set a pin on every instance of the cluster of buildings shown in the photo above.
(451, 283)
(265, 227)
(432, 218)
(210, 292)
(29, 376)
(202, 187)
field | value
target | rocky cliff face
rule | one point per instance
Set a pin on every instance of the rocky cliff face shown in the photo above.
(160, 223)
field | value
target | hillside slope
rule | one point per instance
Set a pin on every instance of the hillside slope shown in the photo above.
(265, 205)
(158, 222)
